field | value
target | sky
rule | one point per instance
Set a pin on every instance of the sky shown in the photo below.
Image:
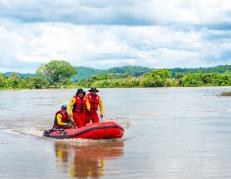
(109, 33)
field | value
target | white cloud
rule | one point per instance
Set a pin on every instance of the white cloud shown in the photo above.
(191, 11)
(130, 12)
(157, 33)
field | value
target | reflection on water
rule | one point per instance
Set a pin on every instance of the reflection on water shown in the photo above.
(86, 159)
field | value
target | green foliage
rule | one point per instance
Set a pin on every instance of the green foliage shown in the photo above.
(171, 82)
(106, 76)
(85, 73)
(163, 73)
(117, 83)
(36, 83)
(2, 81)
(157, 78)
(101, 76)
(56, 72)
(59, 73)
(15, 82)
(210, 79)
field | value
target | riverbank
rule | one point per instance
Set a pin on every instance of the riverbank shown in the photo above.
(226, 94)
(137, 87)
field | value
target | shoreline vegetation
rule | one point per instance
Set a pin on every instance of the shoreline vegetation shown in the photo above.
(61, 74)
(226, 94)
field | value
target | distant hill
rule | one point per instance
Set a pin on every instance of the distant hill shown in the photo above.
(21, 75)
(131, 70)
(217, 69)
(86, 72)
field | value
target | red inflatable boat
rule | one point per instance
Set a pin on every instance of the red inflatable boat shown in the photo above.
(102, 130)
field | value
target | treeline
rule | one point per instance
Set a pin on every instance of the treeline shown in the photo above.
(59, 74)
(159, 78)
(85, 73)
(16, 82)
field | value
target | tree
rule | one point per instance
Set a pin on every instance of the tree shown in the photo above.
(36, 83)
(156, 78)
(14, 81)
(56, 71)
(2, 81)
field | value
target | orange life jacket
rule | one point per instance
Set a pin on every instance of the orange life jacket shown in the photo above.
(64, 118)
(94, 101)
(80, 104)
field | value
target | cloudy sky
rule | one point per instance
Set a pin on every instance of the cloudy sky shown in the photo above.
(107, 33)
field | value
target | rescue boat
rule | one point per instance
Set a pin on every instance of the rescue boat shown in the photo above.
(102, 130)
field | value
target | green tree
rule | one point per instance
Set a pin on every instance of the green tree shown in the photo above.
(36, 83)
(156, 78)
(2, 81)
(56, 72)
(170, 82)
(14, 81)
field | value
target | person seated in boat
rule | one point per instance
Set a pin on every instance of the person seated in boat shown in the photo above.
(78, 107)
(62, 120)
(95, 103)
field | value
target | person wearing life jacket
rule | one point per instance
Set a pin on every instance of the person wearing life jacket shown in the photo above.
(95, 103)
(78, 107)
(62, 120)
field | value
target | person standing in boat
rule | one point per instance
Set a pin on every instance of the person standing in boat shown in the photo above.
(95, 103)
(78, 107)
(62, 120)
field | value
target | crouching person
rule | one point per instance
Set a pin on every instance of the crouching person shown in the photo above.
(62, 121)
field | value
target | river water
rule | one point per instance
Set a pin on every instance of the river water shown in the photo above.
(170, 133)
